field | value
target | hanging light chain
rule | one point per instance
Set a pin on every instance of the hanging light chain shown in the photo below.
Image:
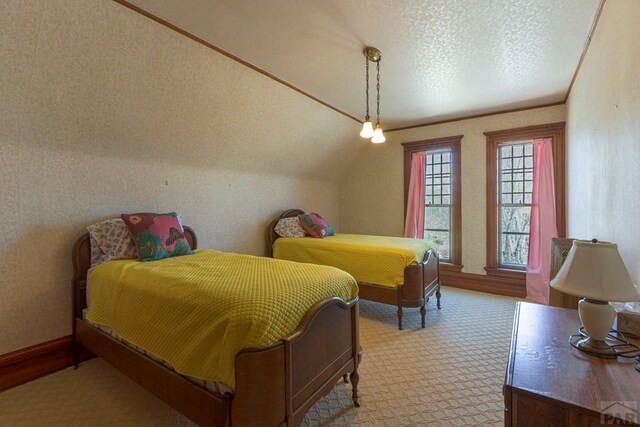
(378, 92)
(368, 130)
(367, 89)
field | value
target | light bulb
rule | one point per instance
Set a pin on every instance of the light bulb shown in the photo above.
(367, 130)
(378, 137)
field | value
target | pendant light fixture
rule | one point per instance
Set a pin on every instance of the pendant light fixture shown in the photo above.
(374, 55)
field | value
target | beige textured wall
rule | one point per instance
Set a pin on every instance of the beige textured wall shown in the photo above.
(603, 132)
(372, 193)
(103, 111)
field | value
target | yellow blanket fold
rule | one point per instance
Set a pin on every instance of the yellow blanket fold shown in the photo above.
(372, 259)
(198, 311)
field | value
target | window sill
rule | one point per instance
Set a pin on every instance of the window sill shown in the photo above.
(447, 266)
(506, 272)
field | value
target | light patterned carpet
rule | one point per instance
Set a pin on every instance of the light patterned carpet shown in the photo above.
(448, 374)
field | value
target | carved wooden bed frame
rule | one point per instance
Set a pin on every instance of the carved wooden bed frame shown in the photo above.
(275, 386)
(420, 280)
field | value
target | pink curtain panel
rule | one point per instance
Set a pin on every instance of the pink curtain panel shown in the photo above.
(543, 223)
(414, 223)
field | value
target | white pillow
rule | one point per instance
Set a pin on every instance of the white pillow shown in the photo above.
(289, 227)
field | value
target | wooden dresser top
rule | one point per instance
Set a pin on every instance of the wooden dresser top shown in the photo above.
(542, 361)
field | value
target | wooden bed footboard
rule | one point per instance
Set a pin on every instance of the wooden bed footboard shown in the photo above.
(275, 386)
(420, 282)
(307, 365)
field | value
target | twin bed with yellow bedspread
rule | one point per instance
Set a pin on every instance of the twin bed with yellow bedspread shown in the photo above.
(276, 334)
(369, 259)
(197, 312)
(392, 270)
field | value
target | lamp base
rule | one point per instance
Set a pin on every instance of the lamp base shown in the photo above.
(596, 348)
(596, 317)
(614, 345)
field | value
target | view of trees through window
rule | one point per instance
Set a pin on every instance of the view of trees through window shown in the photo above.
(515, 185)
(437, 212)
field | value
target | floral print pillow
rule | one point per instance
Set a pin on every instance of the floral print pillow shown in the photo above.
(110, 240)
(289, 227)
(157, 236)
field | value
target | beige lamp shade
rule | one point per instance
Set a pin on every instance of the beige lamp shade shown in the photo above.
(595, 271)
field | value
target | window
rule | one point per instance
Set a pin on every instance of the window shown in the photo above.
(437, 210)
(515, 185)
(442, 222)
(510, 160)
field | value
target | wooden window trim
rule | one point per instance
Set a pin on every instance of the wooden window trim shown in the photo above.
(555, 131)
(453, 143)
(448, 266)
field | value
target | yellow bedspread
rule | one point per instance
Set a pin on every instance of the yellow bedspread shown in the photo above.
(198, 311)
(371, 259)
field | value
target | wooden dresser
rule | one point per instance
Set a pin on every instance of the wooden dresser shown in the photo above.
(549, 383)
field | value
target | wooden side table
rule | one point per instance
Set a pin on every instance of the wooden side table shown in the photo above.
(550, 383)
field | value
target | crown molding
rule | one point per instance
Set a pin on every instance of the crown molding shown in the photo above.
(477, 116)
(586, 47)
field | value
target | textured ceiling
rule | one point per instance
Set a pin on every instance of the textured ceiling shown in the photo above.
(442, 59)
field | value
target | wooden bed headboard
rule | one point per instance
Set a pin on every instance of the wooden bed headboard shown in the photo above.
(272, 236)
(81, 259)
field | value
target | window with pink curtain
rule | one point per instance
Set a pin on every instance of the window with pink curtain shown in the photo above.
(433, 195)
(520, 225)
(543, 225)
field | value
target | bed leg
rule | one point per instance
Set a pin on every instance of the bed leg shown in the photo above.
(354, 387)
(438, 294)
(345, 378)
(423, 314)
(399, 312)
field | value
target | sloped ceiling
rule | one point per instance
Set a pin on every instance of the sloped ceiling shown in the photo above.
(442, 59)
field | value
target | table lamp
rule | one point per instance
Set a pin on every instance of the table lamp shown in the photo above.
(594, 271)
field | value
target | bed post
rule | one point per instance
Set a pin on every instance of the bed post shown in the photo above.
(81, 260)
(431, 272)
(356, 351)
(399, 298)
(438, 294)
